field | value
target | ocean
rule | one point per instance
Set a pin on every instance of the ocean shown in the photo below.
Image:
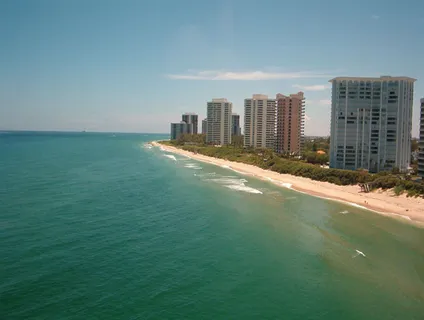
(100, 226)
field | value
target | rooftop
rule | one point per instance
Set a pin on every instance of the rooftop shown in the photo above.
(381, 78)
(299, 95)
(219, 100)
(259, 97)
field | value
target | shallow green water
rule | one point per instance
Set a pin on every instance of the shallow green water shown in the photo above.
(97, 226)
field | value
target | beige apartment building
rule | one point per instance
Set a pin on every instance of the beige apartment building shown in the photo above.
(259, 122)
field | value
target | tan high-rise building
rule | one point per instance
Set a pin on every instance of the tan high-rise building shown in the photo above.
(259, 122)
(290, 122)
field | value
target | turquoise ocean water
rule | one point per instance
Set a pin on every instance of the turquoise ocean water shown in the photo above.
(98, 226)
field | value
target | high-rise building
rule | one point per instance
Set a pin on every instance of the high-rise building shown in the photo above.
(219, 121)
(421, 145)
(290, 122)
(191, 118)
(235, 122)
(204, 126)
(177, 129)
(259, 122)
(371, 122)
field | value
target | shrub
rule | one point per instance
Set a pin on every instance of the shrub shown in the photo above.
(398, 190)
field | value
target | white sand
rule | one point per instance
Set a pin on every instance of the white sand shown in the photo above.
(383, 202)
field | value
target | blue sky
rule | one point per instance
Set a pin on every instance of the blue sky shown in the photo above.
(137, 65)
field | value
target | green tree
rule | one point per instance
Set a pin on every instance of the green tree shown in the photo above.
(237, 141)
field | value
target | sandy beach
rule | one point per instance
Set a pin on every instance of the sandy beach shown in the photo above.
(383, 202)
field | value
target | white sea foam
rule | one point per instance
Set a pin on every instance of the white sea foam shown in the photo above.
(224, 180)
(283, 184)
(170, 156)
(286, 185)
(357, 205)
(193, 166)
(401, 216)
(235, 184)
(243, 188)
(226, 167)
(344, 212)
(203, 175)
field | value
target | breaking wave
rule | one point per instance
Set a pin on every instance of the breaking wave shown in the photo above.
(170, 156)
(235, 184)
(283, 184)
(244, 188)
(193, 166)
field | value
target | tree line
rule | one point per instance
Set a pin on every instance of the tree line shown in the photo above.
(269, 160)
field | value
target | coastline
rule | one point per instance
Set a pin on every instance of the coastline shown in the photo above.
(381, 202)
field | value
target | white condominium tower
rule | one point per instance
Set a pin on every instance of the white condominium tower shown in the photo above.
(371, 122)
(421, 145)
(259, 122)
(219, 122)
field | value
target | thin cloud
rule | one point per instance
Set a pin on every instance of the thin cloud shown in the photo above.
(245, 76)
(317, 87)
(322, 102)
(375, 17)
(325, 102)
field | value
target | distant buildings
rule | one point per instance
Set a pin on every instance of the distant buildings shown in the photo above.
(421, 143)
(177, 129)
(188, 125)
(371, 122)
(290, 122)
(191, 118)
(259, 122)
(219, 122)
(235, 125)
(204, 126)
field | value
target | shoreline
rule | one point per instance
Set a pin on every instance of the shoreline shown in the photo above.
(381, 202)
